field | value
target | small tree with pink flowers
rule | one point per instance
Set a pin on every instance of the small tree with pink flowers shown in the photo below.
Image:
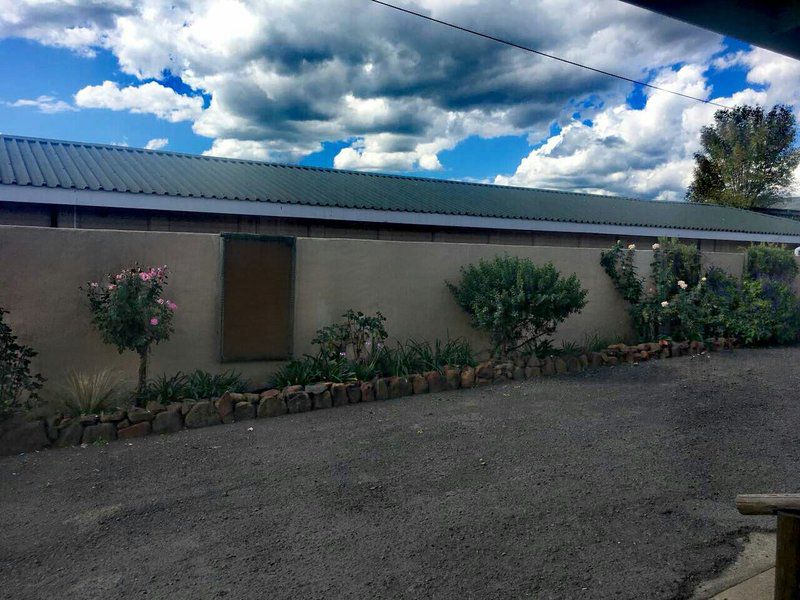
(130, 312)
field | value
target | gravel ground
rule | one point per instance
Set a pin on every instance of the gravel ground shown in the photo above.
(614, 484)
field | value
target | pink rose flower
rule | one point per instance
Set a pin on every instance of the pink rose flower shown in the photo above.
(160, 301)
(144, 276)
(111, 287)
(171, 305)
(93, 284)
(154, 321)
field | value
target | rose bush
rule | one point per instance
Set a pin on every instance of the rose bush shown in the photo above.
(676, 302)
(130, 312)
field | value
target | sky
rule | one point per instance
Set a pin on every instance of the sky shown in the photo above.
(354, 85)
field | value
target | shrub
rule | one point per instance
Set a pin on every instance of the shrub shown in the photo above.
(675, 268)
(771, 261)
(516, 302)
(674, 261)
(337, 370)
(202, 384)
(365, 371)
(402, 360)
(16, 379)
(165, 389)
(598, 343)
(300, 371)
(131, 313)
(759, 309)
(424, 356)
(90, 393)
(356, 338)
(782, 310)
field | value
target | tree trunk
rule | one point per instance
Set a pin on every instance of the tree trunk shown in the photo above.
(142, 375)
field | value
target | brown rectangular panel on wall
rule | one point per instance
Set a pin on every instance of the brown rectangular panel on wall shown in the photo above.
(257, 297)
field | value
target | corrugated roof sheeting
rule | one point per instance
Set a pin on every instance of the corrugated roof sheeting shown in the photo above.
(72, 165)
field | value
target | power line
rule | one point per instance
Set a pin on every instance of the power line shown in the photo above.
(545, 54)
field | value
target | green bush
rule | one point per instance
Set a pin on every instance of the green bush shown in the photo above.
(165, 389)
(357, 337)
(199, 384)
(760, 309)
(419, 357)
(675, 268)
(401, 360)
(783, 311)
(516, 302)
(19, 387)
(674, 261)
(300, 371)
(771, 261)
(202, 384)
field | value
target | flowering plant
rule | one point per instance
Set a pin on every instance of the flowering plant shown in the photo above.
(131, 313)
(663, 309)
(358, 337)
(681, 304)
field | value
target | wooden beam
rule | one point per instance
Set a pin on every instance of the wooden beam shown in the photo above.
(787, 558)
(767, 504)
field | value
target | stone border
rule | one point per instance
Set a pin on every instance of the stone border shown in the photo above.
(24, 435)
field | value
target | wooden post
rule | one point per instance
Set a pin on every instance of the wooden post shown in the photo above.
(787, 557)
(787, 550)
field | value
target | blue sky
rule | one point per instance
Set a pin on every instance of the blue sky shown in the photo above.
(456, 108)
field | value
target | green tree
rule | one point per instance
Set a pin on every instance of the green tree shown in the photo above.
(748, 157)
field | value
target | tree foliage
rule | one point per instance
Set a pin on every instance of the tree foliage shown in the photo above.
(516, 302)
(748, 157)
(16, 379)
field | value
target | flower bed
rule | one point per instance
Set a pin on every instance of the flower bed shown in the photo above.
(24, 435)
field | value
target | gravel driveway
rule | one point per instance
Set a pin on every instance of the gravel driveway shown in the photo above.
(615, 484)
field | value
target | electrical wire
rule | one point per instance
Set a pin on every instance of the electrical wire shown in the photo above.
(545, 54)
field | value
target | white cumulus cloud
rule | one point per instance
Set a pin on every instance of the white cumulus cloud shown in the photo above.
(45, 104)
(649, 152)
(156, 143)
(284, 76)
(151, 97)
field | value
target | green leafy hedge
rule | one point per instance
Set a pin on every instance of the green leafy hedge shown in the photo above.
(770, 261)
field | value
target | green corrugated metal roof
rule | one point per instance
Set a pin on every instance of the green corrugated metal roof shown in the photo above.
(82, 166)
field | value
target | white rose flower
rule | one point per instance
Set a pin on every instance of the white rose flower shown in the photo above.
(632, 247)
(656, 246)
(664, 304)
(682, 284)
(703, 279)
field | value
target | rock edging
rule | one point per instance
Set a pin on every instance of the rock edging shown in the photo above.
(20, 434)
